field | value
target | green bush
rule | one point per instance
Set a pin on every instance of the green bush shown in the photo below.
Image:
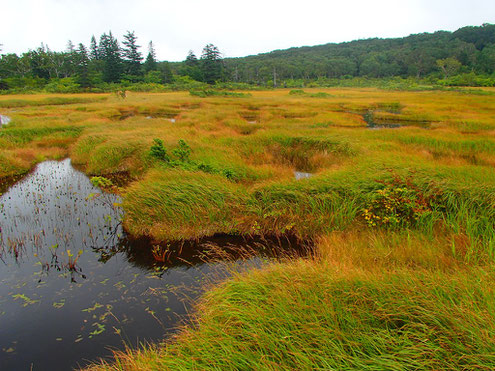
(101, 182)
(297, 92)
(66, 85)
(398, 204)
(183, 151)
(158, 151)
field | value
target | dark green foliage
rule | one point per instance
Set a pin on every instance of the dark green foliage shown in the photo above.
(415, 56)
(158, 150)
(183, 151)
(300, 92)
(479, 36)
(111, 57)
(191, 67)
(211, 64)
(297, 92)
(150, 63)
(369, 118)
(166, 75)
(94, 51)
(82, 67)
(181, 160)
(132, 57)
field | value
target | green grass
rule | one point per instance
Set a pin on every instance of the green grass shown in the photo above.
(179, 204)
(49, 101)
(20, 135)
(302, 316)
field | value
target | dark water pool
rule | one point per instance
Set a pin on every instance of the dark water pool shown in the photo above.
(73, 286)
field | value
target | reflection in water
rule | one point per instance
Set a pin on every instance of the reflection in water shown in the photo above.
(73, 286)
(302, 175)
(4, 120)
(54, 215)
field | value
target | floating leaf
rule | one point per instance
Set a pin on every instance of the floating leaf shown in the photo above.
(93, 308)
(27, 301)
(59, 304)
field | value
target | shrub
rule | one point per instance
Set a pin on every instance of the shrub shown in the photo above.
(101, 182)
(297, 92)
(399, 204)
(158, 151)
(183, 151)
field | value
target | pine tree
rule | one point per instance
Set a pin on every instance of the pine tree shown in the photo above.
(69, 60)
(211, 64)
(83, 67)
(112, 61)
(191, 59)
(94, 53)
(192, 67)
(132, 57)
(150, 63)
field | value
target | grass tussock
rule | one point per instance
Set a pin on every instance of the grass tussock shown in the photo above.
(178, 204)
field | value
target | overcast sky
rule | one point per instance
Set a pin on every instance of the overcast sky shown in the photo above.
(237, 28)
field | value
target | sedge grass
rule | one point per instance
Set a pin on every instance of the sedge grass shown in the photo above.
(417, 297)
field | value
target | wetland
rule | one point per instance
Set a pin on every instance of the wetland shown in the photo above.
(179, 228)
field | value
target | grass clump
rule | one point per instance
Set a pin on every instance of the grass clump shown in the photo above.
(302, 93)
(177, 204)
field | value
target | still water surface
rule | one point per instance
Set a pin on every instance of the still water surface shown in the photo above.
(73, 286)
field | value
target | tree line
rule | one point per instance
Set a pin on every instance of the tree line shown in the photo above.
(469, 51)
(106, 61)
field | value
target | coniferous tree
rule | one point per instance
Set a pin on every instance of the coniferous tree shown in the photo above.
(82, 68)
(192, 67)
(150, 63)
(94, 53)
(110, 55)
(68, 61)
(132, 57)
(211, 64)
(191, 59)
(39, 61)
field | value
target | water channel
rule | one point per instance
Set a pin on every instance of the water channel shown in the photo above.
(73, 286)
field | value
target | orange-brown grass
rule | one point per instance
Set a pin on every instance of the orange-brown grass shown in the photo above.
(257, 142)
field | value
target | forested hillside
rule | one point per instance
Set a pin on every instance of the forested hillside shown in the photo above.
(469, 49)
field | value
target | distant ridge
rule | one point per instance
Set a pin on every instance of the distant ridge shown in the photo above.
(414, 55)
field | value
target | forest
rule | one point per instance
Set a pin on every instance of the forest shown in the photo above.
(465, 57)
